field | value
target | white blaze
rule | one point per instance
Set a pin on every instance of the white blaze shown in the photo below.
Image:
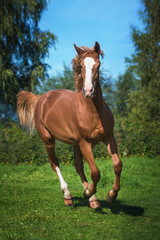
(88, 62)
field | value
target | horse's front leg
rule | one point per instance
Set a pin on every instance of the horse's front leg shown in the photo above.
(117, 166)
(78, 162)
(86, 150)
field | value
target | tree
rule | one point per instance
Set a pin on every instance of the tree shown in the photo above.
(107, 87)
(125, 84)
(139, 130)
(23, 47)
(146, 63)
(146, 59)
(63, 80)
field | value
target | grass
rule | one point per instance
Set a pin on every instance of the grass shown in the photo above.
(31, 203)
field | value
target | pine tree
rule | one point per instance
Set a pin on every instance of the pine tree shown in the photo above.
(124, 86)
(139, 131)
(146, 63)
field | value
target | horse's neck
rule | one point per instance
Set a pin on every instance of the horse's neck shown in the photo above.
(96, 103)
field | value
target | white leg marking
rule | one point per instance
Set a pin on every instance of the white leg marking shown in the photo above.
(88, 62)
(62, 182)
(64, 185)
(92, 198)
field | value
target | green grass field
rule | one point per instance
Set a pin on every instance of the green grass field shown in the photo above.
(31, 203)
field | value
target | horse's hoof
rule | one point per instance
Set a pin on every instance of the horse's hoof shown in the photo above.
(111, 199)
(69, 202)
(95, 204)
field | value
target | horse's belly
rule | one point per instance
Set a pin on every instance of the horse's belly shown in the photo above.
(61, 128)
(61, 132)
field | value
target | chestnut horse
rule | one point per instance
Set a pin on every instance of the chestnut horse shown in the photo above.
(80, 118)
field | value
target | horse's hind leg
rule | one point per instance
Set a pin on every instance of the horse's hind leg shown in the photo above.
(117, 166)
(54, 164)
(49, 142)
(78, 162)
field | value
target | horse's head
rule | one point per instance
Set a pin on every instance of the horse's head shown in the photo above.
(86, 69)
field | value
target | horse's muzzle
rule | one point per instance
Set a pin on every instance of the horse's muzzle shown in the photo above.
(88, 92)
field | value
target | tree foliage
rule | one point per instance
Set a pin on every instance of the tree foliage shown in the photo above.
(124, 86)
(23, 47)
(63, 80)
(139, 130)
(107, 85)
(146, 59)
(146, 62)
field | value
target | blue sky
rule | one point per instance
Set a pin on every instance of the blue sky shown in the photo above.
(85, 21)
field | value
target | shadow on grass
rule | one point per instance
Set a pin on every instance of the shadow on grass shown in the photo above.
(118, 207)
(115, 207)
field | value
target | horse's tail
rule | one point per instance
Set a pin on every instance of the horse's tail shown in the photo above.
(26, 103)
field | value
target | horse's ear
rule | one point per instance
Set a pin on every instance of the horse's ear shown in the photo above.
(79, 50)
(97, 48)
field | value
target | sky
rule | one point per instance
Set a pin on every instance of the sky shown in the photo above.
(85, 21)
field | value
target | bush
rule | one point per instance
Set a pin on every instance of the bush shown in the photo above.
(138, 137)
(17, 146)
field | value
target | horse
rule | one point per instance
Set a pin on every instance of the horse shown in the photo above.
(80, 118)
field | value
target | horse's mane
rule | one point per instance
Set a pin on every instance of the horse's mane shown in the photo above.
(76, 65)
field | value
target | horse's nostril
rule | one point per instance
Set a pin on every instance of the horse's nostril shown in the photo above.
(92, 89)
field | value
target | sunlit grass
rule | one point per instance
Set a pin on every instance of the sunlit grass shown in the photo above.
(31, 203)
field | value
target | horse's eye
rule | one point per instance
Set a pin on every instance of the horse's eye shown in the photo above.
(80, 66)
